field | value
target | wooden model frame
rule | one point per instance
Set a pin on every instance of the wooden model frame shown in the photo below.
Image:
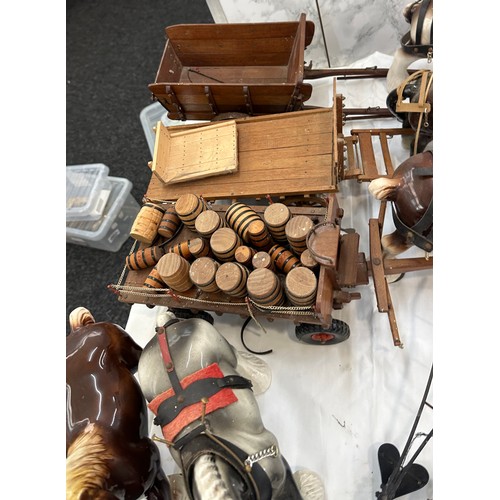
(313, 137)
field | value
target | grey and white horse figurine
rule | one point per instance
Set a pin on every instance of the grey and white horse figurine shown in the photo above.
(203, 393)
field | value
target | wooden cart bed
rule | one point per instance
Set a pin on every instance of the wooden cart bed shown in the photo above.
(283, 154)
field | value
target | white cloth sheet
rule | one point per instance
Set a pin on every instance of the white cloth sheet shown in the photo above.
(331, 407)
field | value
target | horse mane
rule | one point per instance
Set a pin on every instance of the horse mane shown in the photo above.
(87, 466)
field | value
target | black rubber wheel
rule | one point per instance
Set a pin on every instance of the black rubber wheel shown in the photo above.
(187, 314)
(319, 335)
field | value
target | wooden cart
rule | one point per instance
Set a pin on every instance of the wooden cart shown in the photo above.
(210, 70)
(297, 158)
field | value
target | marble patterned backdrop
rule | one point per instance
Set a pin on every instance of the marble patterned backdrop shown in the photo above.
(353, 29)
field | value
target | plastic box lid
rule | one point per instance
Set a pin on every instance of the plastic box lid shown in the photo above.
(87, 190)
(95, 230)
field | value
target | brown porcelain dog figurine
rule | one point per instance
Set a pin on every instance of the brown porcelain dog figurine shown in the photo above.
(109, 454)
(410, 190)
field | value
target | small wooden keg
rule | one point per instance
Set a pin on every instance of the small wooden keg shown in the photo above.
(259, 236)
(202, 273)
(181, 248)
(199, 248)
(307, 260)
(297, 229)
(276, 217)
(262, 260)
(208, 222)
(283, 259)
(170, 223)
(224, 243)
(244, 255)
(142, 259)
(264, 288)
(301, 286)
(239, 217)
(145, 226)
(231, 278)
(154, 280)
(174, 271)
(188, 207)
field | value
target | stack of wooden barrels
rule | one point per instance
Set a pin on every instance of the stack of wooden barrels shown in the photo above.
(238, 252)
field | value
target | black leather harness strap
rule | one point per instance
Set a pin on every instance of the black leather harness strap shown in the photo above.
(194, 392)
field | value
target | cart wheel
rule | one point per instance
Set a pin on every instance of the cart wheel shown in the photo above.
(187, 314)
(319, 335)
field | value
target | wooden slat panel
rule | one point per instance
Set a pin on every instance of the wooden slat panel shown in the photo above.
(231, 31)
(265, 59)
(389, 168)
(348, 259)
(377, 266)
(234, 74)
(353, 169)
(194, 154)
(367, 156)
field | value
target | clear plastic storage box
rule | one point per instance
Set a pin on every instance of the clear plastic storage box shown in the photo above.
(112, 229)
(87, 189)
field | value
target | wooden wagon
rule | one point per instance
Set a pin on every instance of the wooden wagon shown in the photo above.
(296, 158)
(208, 70)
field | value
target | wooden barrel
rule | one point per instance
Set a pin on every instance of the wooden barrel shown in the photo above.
(224, 243)
(188, 207)
(244, 255)
(283, 259)
(142, 259)
(145, 226)
(154, 280)
(181, 248)
(198, 247)
(262, 260)
(202, 273)
(264, 288)
(297, 229)
(208, 222)
(239, 217)
(301, 286)
(174, 271)
(276, 217)
(231, 278)
(307, 260)
(259, 236)
(170, 223)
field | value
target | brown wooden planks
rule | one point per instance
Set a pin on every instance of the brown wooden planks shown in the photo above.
(194, 154)
(285, 154)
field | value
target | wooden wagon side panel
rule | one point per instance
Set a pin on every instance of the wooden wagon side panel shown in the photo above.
(204, 102)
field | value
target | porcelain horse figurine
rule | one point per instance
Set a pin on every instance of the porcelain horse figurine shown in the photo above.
(201, 390)
(410, 191)
(416, 44)
(109, 454)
